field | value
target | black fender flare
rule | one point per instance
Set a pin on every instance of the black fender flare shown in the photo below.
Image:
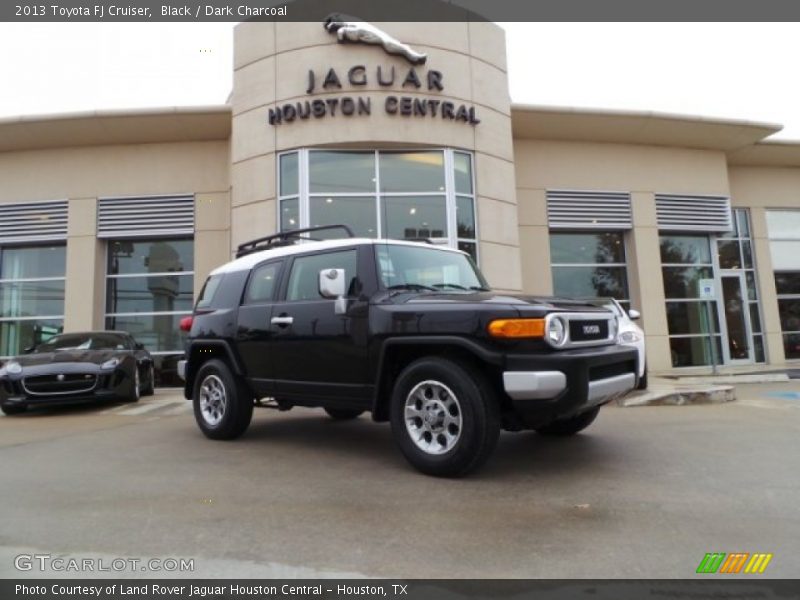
(479, 351)
(191, 365)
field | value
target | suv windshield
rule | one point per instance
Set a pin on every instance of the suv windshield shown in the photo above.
(422, 268)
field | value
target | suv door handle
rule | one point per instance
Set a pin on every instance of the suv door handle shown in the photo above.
(282, 321)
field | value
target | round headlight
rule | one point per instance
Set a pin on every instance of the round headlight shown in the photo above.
(628, 337)
(13, 368)
(556, 331)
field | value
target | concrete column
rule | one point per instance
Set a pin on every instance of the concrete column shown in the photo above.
(646, 282)
(84, 295)
(534, 237)
(773, 338)
(212, 232)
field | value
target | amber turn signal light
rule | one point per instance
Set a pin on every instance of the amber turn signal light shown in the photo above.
(517, 328)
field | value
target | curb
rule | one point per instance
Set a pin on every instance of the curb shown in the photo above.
(677, 396)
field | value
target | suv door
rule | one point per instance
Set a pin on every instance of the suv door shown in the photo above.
(254, 332)
(315, 352)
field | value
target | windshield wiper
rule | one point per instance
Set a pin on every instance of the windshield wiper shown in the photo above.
(455, 286)
(479, 288)
(411, 286)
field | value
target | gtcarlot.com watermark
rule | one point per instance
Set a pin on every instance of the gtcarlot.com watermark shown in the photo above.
(47, 563)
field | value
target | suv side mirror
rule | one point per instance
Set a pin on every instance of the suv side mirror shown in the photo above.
(331, 285)
(139, 346)
(634, 314)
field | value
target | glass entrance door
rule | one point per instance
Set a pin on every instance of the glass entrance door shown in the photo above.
(738, 346)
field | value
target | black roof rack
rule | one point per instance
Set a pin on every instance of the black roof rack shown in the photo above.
(285, 238)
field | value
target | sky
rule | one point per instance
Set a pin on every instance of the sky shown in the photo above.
(729, 70)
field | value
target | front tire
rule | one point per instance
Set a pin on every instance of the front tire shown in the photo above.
(13, 410)
(642, 385)
(136, 386)
(343, 414)
(444, 417)
(150, 387)
(572, 425)
(223, 406)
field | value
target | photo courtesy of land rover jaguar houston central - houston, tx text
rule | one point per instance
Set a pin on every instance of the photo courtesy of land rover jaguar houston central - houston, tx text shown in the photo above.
(407, 331)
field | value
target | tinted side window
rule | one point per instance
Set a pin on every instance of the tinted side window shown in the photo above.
(261, 287)
(207, 293)
(304, 278)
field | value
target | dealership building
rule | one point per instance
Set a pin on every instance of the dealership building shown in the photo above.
(114, 219)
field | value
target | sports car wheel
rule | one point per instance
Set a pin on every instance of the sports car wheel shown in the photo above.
(223, 406)
(149, 387)
(136, 386)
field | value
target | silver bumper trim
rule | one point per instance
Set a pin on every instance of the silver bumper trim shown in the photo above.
(182, 369)
(534, 385)
(606, 389)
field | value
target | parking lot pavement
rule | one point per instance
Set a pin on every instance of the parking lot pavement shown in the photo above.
(645, 492)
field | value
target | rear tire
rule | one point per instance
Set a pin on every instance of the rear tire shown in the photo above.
(572, 425)
(343, 414)
(223, 406)
(444, 417)
(13, 410)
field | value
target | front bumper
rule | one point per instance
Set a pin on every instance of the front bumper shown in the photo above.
(109, 385)
(545, 387)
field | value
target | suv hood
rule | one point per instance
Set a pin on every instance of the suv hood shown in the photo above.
(519, 301)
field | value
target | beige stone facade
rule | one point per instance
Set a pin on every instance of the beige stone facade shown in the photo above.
(227, 158)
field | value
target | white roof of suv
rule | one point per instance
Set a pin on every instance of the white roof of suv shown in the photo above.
(248, 261)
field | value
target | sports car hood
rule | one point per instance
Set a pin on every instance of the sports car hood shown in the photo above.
(97, 357)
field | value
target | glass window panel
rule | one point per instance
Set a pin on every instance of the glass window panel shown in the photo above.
(158, 333)
(783, 224)
(583, 282)
(684, 249)
(785, 255)
(682, 282)
(463, 172)
(791, 345)
(587, 248)
(752, 292)
(693, 351)
(412, 171)
(788, 283)
(728, 251)
(15, 336)
(358, 212)
(470, 248)
(290, 214)
(465, 216)
(33, 262)
(304, 278)
(691, 318)
(789, 311)
(335, 172)
(32, 298)
(209, 290)
(758, 347)
(157, 293)
(743, 222)
(755, 318)
(151, 256)
(747, 254)
(408, 217)
(289, 175)
(261, 287)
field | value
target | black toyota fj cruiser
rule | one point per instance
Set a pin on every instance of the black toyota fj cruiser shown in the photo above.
(408, 331)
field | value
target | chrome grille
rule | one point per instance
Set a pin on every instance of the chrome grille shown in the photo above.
(59, 384)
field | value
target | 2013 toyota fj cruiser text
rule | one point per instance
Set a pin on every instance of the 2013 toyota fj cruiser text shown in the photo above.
(407, 331)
